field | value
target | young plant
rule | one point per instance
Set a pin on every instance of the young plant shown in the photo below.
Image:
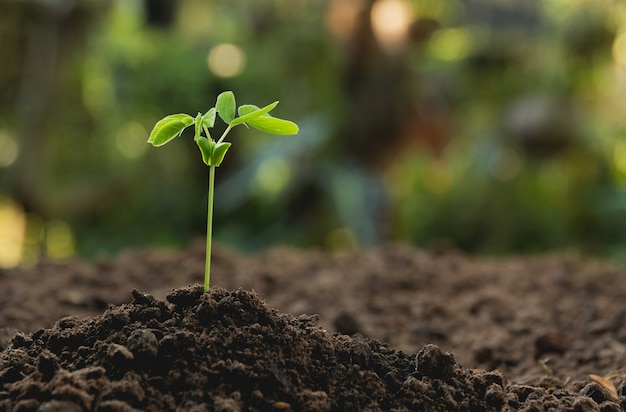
(212, 151)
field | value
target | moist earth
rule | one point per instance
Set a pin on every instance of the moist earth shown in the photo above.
(391, 329)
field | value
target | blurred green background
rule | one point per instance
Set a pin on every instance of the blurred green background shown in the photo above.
(490, 126)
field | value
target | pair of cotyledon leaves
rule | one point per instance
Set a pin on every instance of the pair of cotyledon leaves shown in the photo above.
(213, 152)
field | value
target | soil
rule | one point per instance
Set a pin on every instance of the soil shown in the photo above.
(394, 329)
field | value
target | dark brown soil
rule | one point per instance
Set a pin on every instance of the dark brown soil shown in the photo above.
(432, 331)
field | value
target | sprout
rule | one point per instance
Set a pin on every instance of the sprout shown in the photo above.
(212, 151)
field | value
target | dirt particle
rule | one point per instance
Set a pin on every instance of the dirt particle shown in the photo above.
(347, 324)
(14, 365)
(142, 298)
(68, 322)
(554, 341)
(433, 362)
(314, 400)
(225, 404)
(128, 390)
(585, 404)
(495, 396)
(115, 405)
(597, 392)
(119, 354)
(429, 332)
(143, 344)
(21, 340)
(281, 406)
(26, 405)
(59, 406)
(606, 384)
(47, 365)
(75, 394)
(610, 407)
(90, 373)
(184, 298)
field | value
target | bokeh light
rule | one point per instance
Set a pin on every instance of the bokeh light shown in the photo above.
(390, 21)
(33, 237)
(619, 156)
(341, 17)
(451, 44)
(12, 226)
(8, 149)
(226, 60)
(273, 175)
(131, 140)
(25, 236)
(59, 239)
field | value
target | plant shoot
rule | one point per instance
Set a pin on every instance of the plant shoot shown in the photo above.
(213, 151)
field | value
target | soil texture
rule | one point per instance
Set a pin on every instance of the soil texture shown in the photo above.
(395, 329)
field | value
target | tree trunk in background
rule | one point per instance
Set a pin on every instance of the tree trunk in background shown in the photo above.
(49, 35)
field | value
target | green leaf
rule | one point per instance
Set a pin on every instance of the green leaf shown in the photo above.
(198, 128)
(225, 106)
(207, 147)
(245, 109)
(219, 152)
(168, 128)
(200, 122)
(208, 119)
(249, 112)
(274, 125)
(212, 153)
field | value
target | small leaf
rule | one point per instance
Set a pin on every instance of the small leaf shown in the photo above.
(168, 128)
(225, 106)
(274, 125)
(207, 147)
(219, 153)
(245, 109)
(209, 118)
(250, 112)
(200, 122)
(198, 128)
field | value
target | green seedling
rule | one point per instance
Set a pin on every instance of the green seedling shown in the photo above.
(212, 151)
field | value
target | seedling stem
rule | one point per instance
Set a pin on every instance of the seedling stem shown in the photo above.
(209, 230)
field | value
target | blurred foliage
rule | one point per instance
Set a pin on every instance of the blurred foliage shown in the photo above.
(490, 126)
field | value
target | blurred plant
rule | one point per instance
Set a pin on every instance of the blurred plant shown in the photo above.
(212, 151)
(497, 127)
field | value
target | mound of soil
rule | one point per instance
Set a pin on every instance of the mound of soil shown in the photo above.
(393, 329)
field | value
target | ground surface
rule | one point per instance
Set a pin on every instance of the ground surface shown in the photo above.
(510, 334)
